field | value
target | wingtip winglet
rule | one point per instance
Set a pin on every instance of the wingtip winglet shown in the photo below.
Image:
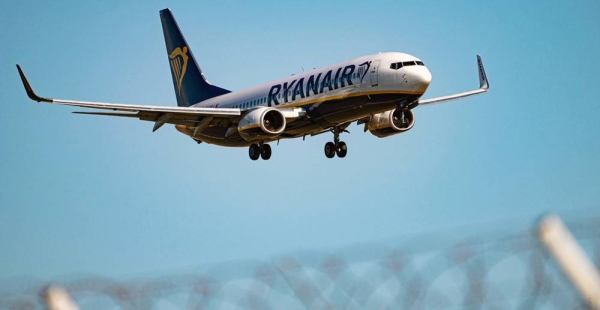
(483, 81)
(28, 89)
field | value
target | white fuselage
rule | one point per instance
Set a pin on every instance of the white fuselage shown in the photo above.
(330, 96)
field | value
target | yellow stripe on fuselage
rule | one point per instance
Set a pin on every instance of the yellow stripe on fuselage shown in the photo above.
(351, 95)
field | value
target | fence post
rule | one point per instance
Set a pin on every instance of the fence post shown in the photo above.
(571, 258)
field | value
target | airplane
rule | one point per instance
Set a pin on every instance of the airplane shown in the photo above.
(379, 91)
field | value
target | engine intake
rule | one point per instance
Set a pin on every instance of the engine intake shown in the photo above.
(391, 122)
(261, 123)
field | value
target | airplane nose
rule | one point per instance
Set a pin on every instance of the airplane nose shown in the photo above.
(416, 78)
(422, 79)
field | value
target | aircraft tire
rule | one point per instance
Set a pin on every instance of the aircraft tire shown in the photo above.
(254, 151)
(329, 149)
(342, 149)
(265, 152)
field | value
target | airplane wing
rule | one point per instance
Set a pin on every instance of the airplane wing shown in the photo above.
(483, 87)
(189, 116)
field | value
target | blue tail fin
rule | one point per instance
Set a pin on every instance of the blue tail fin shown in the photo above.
(188, 80)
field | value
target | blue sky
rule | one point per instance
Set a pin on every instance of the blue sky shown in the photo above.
(106, 196)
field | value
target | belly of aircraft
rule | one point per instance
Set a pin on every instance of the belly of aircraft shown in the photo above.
(320, 117)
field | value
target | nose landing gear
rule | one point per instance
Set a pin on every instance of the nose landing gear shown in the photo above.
(336, 147)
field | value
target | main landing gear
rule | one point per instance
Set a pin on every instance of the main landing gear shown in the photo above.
(259, 150)
(336, 147)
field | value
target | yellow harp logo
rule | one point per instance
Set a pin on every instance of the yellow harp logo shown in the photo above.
(179, 59)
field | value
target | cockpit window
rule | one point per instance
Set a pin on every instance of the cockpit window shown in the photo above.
(398, 65)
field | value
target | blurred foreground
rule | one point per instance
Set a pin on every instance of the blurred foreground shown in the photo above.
(544, 268)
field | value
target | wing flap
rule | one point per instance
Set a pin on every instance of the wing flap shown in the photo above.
(176, 119)
(108, 114)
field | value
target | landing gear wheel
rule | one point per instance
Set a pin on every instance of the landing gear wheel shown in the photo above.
(329, 149)
(265, 152)
(254, 151)
(342, 149)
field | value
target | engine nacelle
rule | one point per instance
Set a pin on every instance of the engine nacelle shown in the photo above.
(391, 122)
(261, 123)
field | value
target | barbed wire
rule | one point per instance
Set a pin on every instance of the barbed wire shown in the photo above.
(513, 272)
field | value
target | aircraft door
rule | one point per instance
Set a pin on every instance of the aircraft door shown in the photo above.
(374, 73)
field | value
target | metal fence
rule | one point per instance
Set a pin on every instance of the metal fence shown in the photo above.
(511, 272)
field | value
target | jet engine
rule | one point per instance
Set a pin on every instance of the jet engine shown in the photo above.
(261, 123)
(391, 122)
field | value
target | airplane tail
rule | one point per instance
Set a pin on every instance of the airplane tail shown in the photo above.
(190, 85)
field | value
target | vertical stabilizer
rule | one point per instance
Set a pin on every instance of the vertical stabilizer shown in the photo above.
(190, 85)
